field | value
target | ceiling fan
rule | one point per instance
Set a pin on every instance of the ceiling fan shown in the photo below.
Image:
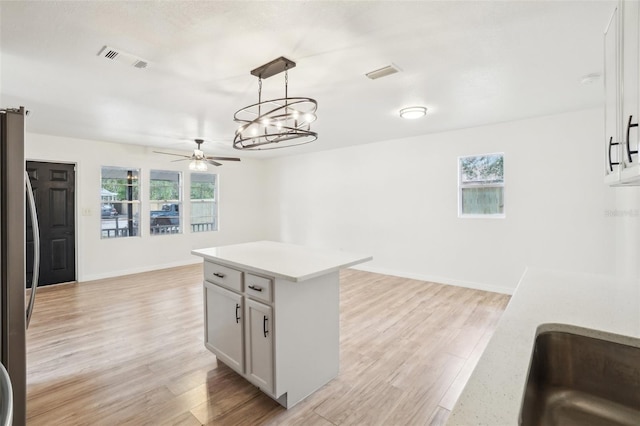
(199, 161)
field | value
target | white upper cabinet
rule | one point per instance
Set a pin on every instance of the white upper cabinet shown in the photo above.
(612, 99)
(622, 95)
(630, 171)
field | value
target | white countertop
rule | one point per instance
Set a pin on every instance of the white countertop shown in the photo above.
(494, 392)
(280, 260)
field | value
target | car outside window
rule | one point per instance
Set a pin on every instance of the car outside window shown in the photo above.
(165, 202)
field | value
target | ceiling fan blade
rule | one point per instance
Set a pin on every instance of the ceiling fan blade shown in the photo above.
(215, 163)
(222, 158)
(168, 153)
(181, 159)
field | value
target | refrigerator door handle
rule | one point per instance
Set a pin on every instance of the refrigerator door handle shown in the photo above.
(36, 246)
(6, 398)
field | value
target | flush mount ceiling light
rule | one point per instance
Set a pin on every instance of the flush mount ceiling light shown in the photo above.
(275, 123)
(413, 112)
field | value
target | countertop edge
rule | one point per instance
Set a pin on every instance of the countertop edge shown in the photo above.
(274, 274)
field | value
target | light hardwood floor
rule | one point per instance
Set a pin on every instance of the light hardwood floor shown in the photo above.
(130, 350)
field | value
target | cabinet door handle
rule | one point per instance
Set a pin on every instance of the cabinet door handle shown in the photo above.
(255, 288)
(611, 143)
(629, 151)
(218, 274)
(264, 326)
(237, 316)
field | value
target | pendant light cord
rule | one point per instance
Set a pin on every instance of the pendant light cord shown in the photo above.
(259, 95)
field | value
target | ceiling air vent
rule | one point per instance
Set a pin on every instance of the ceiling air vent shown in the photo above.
(121, 56)
(383, 72)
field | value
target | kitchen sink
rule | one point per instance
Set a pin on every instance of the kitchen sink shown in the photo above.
(576, 378)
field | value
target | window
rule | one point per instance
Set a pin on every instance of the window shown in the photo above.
(481, 186)
(165, 202)
(119, 202)
(204, 202)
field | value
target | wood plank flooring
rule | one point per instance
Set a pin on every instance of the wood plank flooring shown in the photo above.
(129, 351)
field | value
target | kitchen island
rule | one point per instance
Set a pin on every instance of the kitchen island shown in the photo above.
(493, 394)
(271, 313)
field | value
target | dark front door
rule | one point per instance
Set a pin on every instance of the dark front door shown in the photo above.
(54, 191)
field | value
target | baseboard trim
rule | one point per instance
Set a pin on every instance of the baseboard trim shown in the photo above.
(367, 268)
(122, 272)
(440, 280)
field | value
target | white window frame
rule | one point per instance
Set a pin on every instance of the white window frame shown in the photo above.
(462, 186)
(136, 202)
(168, 229)
(196, 201)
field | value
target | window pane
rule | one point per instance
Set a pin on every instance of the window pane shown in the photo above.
(120, 202)
(482, 169)
(204, 205)
(483, 200)
(165, 202)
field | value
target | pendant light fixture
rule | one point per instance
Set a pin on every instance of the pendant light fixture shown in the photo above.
(275, 123)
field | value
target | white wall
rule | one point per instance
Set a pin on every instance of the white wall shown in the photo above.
(626, 215)
(241, 196)
(397, 200)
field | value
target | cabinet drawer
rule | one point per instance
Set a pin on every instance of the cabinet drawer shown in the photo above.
(222, 275)
(258, 287)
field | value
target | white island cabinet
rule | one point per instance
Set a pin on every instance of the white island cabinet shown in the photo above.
(271, 313)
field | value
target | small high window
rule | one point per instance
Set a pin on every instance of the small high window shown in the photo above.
(119, 202)
(481, 186)
(204, 202)
(165, 202)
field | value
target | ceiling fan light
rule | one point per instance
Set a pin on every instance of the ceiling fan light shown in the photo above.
(199, 161)
(411, 113)
(198, 166)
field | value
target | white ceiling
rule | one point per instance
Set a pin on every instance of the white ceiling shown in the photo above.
(470, 63)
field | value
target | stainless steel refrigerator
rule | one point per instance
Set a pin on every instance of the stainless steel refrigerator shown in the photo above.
(14, 315)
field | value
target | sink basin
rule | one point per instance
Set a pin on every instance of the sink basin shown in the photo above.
(576, 378)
